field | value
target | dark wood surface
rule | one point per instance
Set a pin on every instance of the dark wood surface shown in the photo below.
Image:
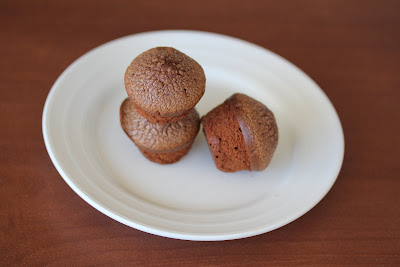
(350, 48)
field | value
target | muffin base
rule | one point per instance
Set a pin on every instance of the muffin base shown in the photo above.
(166, 158)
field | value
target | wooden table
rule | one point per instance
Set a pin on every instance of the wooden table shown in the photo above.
(350, 48)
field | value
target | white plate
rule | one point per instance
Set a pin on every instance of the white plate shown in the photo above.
(191, 199)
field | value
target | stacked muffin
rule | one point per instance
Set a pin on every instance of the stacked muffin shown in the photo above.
(163, 85)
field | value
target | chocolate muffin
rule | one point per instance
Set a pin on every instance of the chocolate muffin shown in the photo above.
(164, 84)
(160, 143)
(242, 134)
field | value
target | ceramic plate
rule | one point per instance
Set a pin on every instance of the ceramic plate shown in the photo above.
(192, 199)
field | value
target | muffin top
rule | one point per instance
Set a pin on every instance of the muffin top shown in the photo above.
(155, 137)
(259, 129)
(164, 81)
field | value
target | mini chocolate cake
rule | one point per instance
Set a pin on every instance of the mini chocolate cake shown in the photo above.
(242, 134)
(164, 84)
(160, 143)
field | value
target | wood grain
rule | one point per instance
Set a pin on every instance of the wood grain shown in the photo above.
(350, 48)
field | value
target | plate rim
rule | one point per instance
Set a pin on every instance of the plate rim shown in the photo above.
(170, 233)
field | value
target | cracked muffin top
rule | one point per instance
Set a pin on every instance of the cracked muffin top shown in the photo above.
(260, 130)
(164, 82)
(156, 137)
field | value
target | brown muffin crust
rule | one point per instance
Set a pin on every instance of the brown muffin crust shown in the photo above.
(242, 134)
(260, 130)
(155, 137)
(164, 82)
